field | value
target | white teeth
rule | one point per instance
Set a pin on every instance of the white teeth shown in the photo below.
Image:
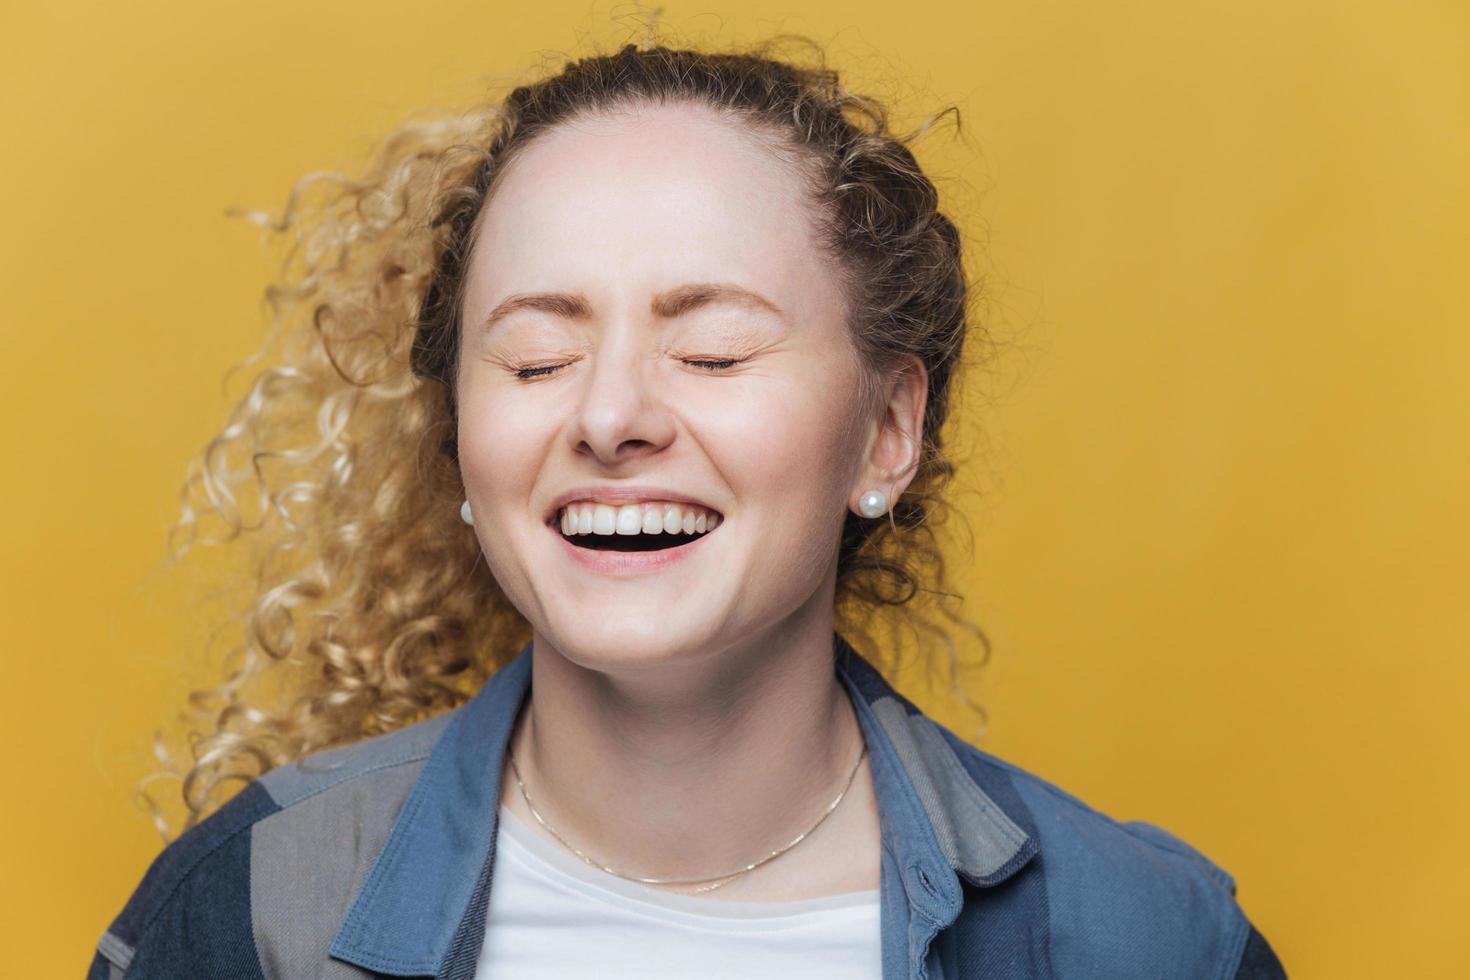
(630, 519)
(604, 519)
(644, 518)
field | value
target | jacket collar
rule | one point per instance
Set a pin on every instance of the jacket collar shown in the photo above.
(938, 822)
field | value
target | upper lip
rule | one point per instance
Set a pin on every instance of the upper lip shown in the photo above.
(614, 495)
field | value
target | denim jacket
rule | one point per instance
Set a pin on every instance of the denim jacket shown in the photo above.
(376, 860)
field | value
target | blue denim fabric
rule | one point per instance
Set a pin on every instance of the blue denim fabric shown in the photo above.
(987, 870)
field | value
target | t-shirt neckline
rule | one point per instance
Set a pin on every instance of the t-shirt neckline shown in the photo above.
(553, 860)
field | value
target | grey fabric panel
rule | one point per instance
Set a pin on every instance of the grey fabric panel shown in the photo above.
(307, 862)
(114, 972)
(115, 951)
(294, 782)
(973, 832)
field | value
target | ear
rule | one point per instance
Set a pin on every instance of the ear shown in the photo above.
(896, 435)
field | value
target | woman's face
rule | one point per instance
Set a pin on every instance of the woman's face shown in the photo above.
(617, 256)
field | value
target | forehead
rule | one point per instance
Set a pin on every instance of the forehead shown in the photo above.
(662, 193)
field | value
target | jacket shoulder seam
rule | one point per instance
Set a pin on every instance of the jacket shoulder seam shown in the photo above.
(153, 916)
(1238, 927)
(1129, 827)
(1235, 952)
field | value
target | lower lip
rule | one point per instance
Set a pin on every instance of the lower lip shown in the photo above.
(628, 562)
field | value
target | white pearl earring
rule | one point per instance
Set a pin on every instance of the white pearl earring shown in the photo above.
(465, 514)
(873, 503)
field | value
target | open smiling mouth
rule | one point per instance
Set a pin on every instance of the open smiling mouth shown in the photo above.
(632, 542)
(633, 529)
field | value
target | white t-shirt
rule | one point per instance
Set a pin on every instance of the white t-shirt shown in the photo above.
(554, 917)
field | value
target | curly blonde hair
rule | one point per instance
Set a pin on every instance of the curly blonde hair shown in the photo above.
(371, 607)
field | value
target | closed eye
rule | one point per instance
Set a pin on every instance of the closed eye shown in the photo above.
(540, 371)
(536, 372)
(720, 365)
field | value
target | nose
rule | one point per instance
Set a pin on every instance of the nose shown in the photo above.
(620, 416)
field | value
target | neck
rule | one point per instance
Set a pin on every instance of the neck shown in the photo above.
(692, 767)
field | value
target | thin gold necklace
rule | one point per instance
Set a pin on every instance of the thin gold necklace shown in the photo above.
(719, 880)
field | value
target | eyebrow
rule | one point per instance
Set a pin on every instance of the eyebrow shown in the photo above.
(669, 304)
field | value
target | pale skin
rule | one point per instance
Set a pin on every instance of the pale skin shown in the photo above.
(683, 721)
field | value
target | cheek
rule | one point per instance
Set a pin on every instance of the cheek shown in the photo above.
(792, 445)
(498, 446)
(788, 460)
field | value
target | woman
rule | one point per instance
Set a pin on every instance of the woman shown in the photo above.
(672, 356)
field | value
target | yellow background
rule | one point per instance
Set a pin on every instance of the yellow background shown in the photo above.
(1221, 522)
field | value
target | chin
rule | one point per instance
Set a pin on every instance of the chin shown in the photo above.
(634, 640)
